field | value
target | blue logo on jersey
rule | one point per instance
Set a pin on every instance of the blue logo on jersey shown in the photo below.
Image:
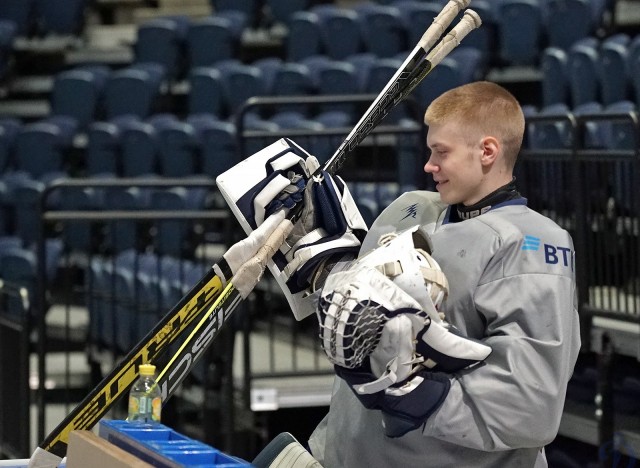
(411, 210)
(531, 243)
(553, 254)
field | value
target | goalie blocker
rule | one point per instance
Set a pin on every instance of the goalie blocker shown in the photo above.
(330, 228)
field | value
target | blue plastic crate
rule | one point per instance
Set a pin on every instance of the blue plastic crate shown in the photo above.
(161, 446)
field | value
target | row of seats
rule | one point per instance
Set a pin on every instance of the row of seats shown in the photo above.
(89, 93)
(605, 71)
(128, 293)
(611, 127)
(45, 17)
(514, 32)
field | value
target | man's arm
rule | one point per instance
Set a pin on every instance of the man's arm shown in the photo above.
(516, 398)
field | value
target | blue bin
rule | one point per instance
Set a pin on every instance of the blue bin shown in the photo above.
(161, 446)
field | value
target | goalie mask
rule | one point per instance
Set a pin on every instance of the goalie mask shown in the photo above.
(399, 277)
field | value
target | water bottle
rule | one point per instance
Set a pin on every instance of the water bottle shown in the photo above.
(145, 399)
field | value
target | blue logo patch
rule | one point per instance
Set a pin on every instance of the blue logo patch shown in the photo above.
(553, 254)
(411, 210)
(531, 243)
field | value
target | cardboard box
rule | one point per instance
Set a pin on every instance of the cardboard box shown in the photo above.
(87, 449)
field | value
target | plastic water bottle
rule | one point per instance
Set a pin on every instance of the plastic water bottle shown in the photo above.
(145, 399)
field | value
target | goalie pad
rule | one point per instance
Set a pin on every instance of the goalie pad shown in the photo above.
(263, 183)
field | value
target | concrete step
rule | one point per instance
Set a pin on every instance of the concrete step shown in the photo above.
(141, 15)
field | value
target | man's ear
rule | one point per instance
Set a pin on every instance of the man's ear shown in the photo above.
(490, 149)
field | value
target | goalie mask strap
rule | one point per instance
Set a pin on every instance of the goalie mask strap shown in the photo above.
(387, 379)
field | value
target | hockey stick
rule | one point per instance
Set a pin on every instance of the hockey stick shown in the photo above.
(201, 296)
(245, 279)
(195, 304)
(250, 273)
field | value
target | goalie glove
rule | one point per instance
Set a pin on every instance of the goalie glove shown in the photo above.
(271, 182)
(381, 328)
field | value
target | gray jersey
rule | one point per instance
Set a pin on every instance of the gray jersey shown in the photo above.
(512, 285)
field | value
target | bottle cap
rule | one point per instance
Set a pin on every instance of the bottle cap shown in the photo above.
(147, 369)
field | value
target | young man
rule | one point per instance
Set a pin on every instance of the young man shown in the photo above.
(511, 286)
(409, 392)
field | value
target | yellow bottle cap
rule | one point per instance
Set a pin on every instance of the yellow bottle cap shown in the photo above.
(147, 369)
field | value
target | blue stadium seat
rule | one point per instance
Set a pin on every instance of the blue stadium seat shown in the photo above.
(77, 94)
(582, 74)
(102, 153)
(340, 32)
(621, 135)
(362, 62)
(41, 150)
(206, 94)
(177, 149)
(218, 146)
(26, 205)
(281, 11)
(519, 31)
(555, 85)
(21, 13)
(171, 236)
(139, 149)
(304, 37)
(9, 127)
(162, 41)
(8, 33)
(633, 67)
(337, 78)
(568, 21)
(554, 134)
(269, 67)
(131, 91)
(77, 235)
(205, 32)
(240, 82)
(122, 235)
(60, 17)
(293, 79)
(382, 27)
(613, 73)
(593, 135)
(18, 266)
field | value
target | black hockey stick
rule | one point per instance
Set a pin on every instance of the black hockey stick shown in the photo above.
(202, 297)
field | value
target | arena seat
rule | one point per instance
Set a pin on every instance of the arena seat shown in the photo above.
(339, 31)
(582, 73)
(555, 86)
(568, 21)
(520, 27)
(162, 41)
(382, 29)
(203, 33)
(304, 37)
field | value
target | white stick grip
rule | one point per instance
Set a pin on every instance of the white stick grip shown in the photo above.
(470, 21)
(246, 278)
(441, 23)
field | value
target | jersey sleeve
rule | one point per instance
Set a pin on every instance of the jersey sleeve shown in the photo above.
(516, 397)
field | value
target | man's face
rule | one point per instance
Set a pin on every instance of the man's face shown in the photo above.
(455, 164)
